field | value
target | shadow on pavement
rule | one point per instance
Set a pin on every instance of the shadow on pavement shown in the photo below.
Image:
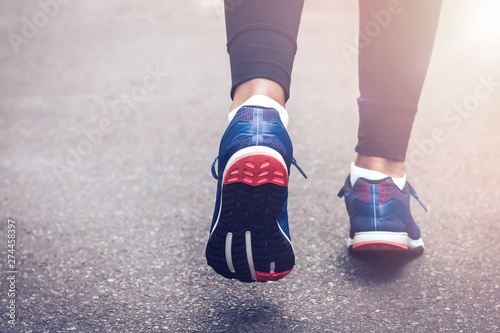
(240, 315)
(373, 266)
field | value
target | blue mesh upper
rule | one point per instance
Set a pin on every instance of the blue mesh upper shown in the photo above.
(241, 133)
(370, 208)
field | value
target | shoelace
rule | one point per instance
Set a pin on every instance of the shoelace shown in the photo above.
(412, 192)
(415, 195)
(294, 162)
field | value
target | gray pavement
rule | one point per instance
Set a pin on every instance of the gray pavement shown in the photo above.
(111, 114)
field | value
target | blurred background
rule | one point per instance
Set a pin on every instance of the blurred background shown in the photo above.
(111, 114)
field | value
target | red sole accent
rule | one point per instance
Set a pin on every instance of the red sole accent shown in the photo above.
(256, 169)
(273, 276)
(379, 246)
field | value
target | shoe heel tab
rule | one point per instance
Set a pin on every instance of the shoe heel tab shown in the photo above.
(265, 102)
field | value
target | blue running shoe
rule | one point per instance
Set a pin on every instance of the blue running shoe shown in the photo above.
(249, 237)
(380, 216)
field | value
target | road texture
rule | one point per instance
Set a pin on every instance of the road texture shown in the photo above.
(111, 114)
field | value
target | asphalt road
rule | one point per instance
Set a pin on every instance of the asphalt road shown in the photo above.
(111, 114)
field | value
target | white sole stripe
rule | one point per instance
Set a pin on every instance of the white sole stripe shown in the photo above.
(229, 258)
(286, 237)
(248, 245)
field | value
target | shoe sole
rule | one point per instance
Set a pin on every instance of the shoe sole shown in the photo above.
(247, 242)
(384, 241)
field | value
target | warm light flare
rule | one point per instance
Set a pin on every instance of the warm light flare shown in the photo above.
(483, 20)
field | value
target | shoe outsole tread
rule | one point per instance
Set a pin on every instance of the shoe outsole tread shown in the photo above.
(249, 212)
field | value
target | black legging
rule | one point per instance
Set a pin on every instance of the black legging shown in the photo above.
(396, 40)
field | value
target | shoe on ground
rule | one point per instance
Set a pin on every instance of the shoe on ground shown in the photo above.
(249, 236)
(380, 217)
